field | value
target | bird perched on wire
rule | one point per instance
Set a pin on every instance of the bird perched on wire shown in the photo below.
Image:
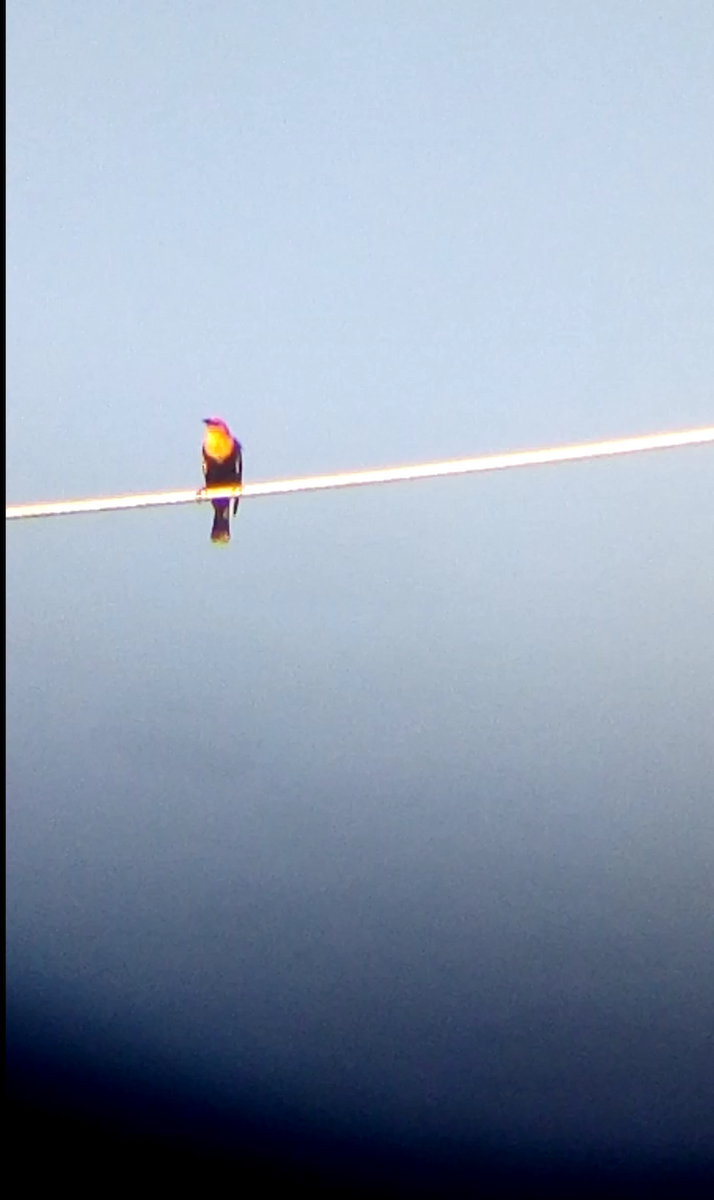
(222, 467)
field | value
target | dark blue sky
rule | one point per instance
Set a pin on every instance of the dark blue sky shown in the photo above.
(402, 805)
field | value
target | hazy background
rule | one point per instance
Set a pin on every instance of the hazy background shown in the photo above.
(399, 809)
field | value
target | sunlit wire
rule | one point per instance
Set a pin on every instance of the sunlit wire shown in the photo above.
(345, 479)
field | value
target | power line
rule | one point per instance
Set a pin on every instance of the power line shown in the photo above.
(344, 479)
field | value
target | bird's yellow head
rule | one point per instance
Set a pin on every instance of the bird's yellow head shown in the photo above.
(217, 440)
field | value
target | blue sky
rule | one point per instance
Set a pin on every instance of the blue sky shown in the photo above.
(402, 767)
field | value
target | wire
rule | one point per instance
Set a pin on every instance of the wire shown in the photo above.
(318, 483)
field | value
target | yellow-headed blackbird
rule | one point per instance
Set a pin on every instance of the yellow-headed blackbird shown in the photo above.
(222, 466)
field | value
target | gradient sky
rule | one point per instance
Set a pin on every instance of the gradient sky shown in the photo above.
(402, 804)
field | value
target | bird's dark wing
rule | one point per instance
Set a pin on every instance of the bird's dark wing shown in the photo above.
(239, 474)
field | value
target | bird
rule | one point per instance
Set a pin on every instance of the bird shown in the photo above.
(222, 457)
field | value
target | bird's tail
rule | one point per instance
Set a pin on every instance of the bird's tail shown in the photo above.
(221, 531)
